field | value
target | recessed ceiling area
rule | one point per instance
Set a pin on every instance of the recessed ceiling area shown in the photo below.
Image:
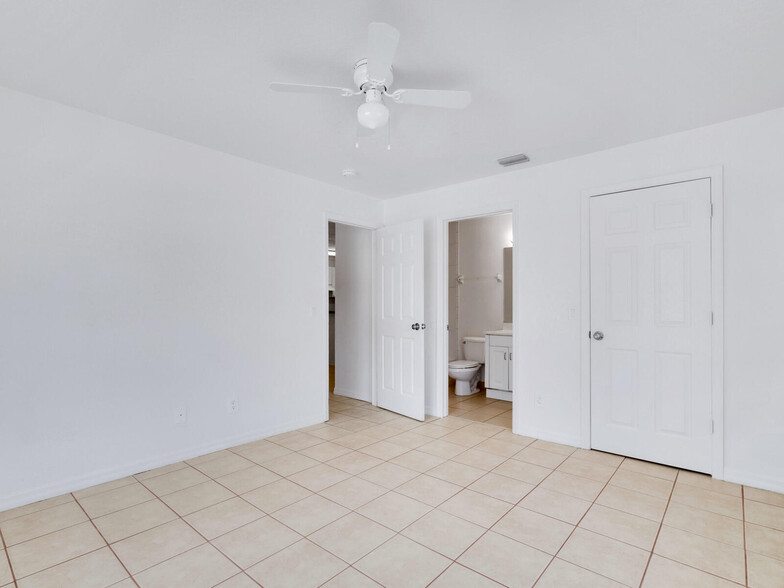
(550, 79)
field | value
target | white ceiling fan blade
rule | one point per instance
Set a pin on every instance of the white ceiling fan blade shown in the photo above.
(309, 89)
(382, 44)
(438, 98)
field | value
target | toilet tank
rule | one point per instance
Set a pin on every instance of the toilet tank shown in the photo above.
(474, 349)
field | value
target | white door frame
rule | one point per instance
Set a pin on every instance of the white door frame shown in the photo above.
(354, 222)
(441, 408)
(715, 175)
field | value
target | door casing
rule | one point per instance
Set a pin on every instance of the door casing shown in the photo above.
(715, 175)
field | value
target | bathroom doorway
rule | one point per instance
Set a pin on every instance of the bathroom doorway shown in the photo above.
(479, 303)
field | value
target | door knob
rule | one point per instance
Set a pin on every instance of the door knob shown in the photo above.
(415, 326)
(598, 335)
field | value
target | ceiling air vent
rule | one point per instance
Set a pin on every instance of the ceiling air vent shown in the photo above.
(514, 159)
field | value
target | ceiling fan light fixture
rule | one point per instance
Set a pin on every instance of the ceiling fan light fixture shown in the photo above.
(373, 114)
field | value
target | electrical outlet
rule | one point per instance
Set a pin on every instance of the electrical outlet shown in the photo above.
(180, 415)
(539, 400)
(233, 405)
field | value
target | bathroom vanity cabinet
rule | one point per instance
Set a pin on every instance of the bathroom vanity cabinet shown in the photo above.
(498, 365)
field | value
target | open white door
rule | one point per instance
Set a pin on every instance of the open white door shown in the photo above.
(651, 324)
(400, 306)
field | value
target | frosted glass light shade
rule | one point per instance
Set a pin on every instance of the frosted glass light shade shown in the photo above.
(372, 115)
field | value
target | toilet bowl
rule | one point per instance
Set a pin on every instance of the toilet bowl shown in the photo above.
(468, 372)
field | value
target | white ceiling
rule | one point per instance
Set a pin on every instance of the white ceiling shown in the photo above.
(552, 79)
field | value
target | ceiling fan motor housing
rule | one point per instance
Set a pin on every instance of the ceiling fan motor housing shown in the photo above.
(364, 83)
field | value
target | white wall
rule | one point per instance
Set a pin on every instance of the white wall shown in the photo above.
(141, 273)
(481, 258)
(353, 312)
(546, 203)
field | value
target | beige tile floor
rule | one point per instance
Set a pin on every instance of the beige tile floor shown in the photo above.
(478, 407)
(372, 498)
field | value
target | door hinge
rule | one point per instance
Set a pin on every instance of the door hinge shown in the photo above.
(712, 427)
(711, 317)
(711, 209)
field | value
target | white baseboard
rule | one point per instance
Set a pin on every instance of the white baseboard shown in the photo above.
(85, 481)
(754, 480)
(499, 394)
(355, 394)
(544, 435)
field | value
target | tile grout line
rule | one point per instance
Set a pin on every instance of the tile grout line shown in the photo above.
(704, 572)
(431, 508)
(408, 450)
(661, 524)
(206, 541)
(27, 514)
(593, 502)
(127, 571)
(515, 505)
(159, 499)
(394, 489)
(61, 562)
(8, 558)
(265, 513)
(518, 505)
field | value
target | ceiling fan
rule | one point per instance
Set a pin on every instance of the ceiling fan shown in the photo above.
(373, 78)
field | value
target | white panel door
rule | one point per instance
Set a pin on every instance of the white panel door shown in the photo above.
(651, 324)
(400, 327)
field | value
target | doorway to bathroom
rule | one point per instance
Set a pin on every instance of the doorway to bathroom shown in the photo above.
(479, 307)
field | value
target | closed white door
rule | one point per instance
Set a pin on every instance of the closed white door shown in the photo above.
(651, 324)
(400, 326)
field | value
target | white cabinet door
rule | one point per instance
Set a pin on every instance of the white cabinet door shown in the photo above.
(651, 301)
(400, 304)
(498, 368)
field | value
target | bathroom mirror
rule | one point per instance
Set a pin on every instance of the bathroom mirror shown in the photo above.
(508, 284)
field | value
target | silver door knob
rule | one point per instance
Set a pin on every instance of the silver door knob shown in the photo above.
(415, 326)
(598, 335)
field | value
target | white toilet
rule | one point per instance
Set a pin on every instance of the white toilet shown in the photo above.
(468, 371)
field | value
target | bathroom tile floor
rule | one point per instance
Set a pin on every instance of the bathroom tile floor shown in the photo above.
(478, 407)
(372, 498)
